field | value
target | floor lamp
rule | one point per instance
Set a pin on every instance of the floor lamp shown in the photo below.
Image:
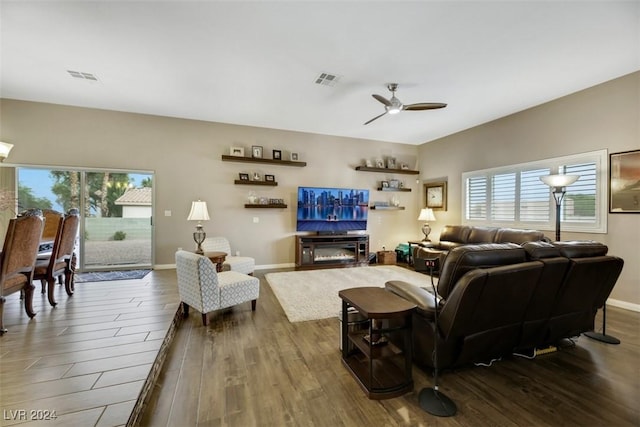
(558, 184)
(199, 213)
(432, 400)
(603, 337)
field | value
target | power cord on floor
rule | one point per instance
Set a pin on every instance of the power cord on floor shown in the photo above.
(488, 364)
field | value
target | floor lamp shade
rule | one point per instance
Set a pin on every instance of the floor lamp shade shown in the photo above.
(558, 184)
(426, 214)
(199, 213)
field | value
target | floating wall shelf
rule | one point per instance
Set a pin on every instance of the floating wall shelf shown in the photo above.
(386, 170)
(387, 208)
(226, 158)
(393, 189)
(243, 182)
(250, 205)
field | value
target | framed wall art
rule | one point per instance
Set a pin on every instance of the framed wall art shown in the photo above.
(277, 155)
(237, 151)
(436, 195)
(624, 182)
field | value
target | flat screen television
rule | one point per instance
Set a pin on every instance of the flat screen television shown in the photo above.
(330, 210)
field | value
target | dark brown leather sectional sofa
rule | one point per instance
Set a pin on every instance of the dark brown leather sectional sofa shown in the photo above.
(501, 298)
(453, 236)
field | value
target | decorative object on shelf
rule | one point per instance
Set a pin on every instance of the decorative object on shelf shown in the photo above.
(294, 157)
(277, 155)
(252, 197)
(237, 151)
(257, 177)
(256, 152)
(276, 201)
(391, 163)
(624, 174)
(436, 195)
(404, 166)
(244, 176)
(199, 213)
(384, 184)
(426, 214)
(264, 201)
(379, 163)
(400, 184)
(394, 183)
(558, 184)
(5, 149)
(269, 178)
(381, 204)
(395, 201)
(368, 163)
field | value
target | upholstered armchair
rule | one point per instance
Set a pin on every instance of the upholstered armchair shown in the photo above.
(204, 289)
(241, 264)
(18, 258)
(60, 261)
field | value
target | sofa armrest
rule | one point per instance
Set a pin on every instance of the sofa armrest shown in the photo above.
(423, 299)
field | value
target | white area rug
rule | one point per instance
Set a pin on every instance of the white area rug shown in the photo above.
(313, 294)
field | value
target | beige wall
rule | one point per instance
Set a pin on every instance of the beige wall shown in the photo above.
(186, 158)
(606, 116)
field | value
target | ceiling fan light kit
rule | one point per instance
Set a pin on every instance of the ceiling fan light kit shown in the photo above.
(394, 105)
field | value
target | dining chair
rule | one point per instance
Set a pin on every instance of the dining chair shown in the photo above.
(18, 259)
(60, 261)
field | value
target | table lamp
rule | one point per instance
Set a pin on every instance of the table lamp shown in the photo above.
(426, 214)
(5, 149)
(199, 213)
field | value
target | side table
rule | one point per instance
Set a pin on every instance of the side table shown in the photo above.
(217, 258)
(420, 243)
(383, 371)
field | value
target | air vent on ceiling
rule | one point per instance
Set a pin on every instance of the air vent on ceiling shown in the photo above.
(327, 79)
(82, 75)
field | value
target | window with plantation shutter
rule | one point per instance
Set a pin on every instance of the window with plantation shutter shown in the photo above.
(514, 196)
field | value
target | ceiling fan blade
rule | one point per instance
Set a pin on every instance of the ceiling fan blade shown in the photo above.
(382, 99)
(424, 106)
(376, 117)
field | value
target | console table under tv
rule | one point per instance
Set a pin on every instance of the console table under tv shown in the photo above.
(331, 251)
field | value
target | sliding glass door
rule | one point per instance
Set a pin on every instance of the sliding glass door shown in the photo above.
(116, 208)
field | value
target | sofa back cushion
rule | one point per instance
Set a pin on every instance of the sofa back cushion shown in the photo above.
(455, 234)
(581, 248)
(513, 235)
(462, 259)
(482, 235)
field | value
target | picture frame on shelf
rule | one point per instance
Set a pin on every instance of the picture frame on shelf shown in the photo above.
(270, 178)
(277, 155)
(384, 184)
(624, 174)
(391, 163)
(256, 151)
(394, 183)
(404, 166)
(237, 151)
(294, 157)
(244, 176)
(257, 176)
(436, 195)
(368, 163)
(380, 163)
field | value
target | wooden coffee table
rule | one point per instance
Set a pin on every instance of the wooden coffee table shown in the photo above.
(217, 258)
(383, 371)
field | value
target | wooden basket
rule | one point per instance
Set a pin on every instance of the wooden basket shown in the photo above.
(387, 257)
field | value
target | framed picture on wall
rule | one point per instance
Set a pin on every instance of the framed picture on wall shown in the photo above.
(436, 195)
(256, 152)
(624, 182)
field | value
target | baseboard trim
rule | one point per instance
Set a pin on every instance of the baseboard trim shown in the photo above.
(258, 267)
(623, 304)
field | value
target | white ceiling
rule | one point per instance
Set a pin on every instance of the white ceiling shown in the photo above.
(255, 63)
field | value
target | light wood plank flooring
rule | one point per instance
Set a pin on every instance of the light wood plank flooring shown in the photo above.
(257, 369)
(88, 359)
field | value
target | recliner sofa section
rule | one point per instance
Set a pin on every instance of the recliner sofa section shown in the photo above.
(453, 236)
(494, 299)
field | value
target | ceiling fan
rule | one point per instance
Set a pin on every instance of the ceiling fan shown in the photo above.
(394, 105)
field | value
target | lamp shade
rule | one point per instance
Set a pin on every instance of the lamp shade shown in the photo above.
(5, 148)
(426, 214)
(559, 180)
(199, 211)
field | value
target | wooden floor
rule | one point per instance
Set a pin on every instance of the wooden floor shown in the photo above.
(88, 360)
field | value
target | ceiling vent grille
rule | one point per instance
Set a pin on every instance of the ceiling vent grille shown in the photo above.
(327, 79)
(82, 75)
